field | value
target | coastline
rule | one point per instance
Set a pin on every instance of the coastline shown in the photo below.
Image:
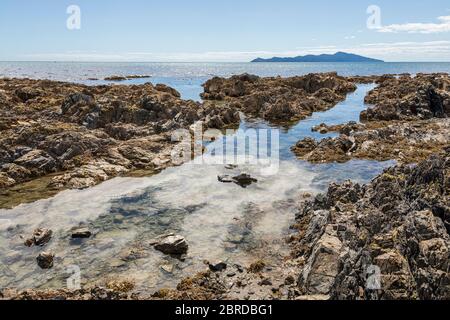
(238, 93)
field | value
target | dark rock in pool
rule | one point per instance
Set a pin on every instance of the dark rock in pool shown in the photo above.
(171, 244)
(218, 266)
(244, 180)
(45, 260)
(81, 233)
(40, 237)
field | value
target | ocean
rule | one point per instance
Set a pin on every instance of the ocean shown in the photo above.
(187, 78)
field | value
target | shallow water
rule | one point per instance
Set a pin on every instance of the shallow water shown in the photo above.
(220, 221)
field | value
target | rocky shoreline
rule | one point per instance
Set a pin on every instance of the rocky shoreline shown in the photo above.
(388, 239)
(408, 121)
(79, 136)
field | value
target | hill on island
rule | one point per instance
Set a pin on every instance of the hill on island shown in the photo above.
(337, 57)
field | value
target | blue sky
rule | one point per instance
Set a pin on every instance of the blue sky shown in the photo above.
(232, 30)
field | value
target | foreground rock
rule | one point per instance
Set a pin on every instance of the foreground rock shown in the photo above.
(279, 99)
(386, 240)
(408, 122)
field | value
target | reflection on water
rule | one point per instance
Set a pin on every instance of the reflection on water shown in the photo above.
(220, 221)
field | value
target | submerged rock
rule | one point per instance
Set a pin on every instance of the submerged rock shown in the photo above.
(45, 260)
(81, 233)
(40, 237)
(244, 180)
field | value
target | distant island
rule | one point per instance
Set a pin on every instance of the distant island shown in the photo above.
(337, 57)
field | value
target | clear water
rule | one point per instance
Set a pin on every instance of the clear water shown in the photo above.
(188, 77)
(220, 221)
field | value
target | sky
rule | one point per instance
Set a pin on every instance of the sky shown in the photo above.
(227, 30)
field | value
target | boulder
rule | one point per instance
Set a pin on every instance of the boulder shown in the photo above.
(171, 244)
(45, 260)
(40, 237)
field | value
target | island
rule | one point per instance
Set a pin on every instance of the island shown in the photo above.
(337, 57)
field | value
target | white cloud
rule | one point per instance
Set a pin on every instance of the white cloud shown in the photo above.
(424, 28)
(390, 51)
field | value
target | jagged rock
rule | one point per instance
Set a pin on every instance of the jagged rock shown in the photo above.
(405, 142)
(279, 99)
(171, 244)
(45, 260)
(81, 233)
(384, 240)
(37, 161)
(40, 237)
(420, 97)
(319, 275)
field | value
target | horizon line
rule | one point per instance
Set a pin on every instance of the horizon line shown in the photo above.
(207, 61)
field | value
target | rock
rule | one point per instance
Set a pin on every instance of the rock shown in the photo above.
(244, 180)
(40, 237)
(378, 141)
(6, 181)
(225, 179)
(172, 244)
(37, 161)
(217, 266)
(322, 268)
(168, 268)
(265, 282)
(289, 280)
(383, 240)
(27, 93)
(256, 267)
(45, 260)
(115, 78)
(279, 99)
(81, 233)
